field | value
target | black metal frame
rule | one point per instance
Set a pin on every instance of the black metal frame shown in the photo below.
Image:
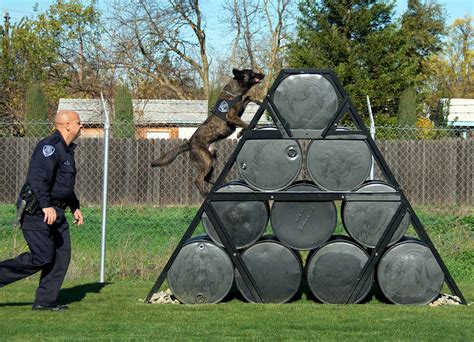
(284, 131)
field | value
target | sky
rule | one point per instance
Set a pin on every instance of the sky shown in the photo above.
(216, 29)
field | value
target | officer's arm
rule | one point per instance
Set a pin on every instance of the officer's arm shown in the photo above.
(75, 204)
(41, 176)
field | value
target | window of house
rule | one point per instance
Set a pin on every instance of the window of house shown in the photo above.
(157, 135)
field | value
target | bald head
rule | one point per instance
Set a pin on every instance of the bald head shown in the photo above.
(68, 123)
(64, 116)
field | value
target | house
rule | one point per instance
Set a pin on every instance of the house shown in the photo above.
(153, 118)
(460, 112)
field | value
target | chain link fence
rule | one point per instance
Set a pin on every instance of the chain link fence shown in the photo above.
(149, 209)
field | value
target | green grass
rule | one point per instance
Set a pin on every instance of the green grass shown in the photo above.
(141, 239)
(139, 242)
(114, 312)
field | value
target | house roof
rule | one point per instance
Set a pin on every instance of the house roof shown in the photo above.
(152, 111)
(461, 111)
(90, 110)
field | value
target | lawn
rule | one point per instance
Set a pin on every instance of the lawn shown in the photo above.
(115, 312)
(139, 242)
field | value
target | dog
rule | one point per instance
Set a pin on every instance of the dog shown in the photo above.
(225, 118)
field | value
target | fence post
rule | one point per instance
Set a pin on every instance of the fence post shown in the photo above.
(104, 192)
(372, 134)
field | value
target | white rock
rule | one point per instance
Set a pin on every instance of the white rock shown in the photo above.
(164, 297)
(445, 299)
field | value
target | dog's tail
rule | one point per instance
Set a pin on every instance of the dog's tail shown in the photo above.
(171, 155)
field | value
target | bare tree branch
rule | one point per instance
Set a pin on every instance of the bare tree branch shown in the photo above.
(164, 40)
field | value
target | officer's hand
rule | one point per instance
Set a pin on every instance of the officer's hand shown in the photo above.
(49, 215)
(78, 217)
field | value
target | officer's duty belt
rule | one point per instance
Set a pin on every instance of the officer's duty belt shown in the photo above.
(60, 204)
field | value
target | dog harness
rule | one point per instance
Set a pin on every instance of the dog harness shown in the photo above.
(222, 107)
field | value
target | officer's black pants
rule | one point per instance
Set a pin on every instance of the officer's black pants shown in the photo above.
(50, 253)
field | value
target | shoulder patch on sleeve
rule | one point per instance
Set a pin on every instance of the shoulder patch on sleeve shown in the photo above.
(48, 150)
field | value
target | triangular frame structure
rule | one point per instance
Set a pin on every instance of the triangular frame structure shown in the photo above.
(345, 107)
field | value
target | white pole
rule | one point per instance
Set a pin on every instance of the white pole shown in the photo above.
(104, 191)
(372, 134)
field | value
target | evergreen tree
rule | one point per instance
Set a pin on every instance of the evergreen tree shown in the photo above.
(407, 108)
(36, 106)
(370, 52)
(124, 126)
(359, 41)
(5, 64)
(423, 27)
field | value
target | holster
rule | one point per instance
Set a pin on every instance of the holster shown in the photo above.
(31, 205)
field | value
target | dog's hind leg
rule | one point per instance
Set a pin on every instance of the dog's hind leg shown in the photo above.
(209, 176)
(213, 152)
(203, 159)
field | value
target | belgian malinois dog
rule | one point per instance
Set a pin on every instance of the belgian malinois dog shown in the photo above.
(225, 118)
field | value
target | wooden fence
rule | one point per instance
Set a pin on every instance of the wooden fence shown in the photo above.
(429, 171)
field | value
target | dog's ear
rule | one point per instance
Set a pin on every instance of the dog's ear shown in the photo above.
(238, 75)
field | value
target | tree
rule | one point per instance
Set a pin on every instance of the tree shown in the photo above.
(244, 18)
(261, 34)
(37, 124)
(162, 44)
(124, 126)
(74, 32)
(407, 108)
(370, 52)
(18, 68)
(450, 71)
(360, 42)
(423, 27)
(5, 65)
(58, 49)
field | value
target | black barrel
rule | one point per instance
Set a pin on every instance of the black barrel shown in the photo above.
(332, 269)
(338, 165)
(244, 221)
(306, 101)
(408, 273)
(276, 269)
(202, 273)
(366, 221)
(303, 225)
(270, 165)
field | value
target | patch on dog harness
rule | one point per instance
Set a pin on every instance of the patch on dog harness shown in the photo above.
(222, 107)
(48, 150)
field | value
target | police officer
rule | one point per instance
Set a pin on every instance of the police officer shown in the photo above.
(51, 177)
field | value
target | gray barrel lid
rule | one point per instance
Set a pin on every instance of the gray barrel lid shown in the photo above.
(270, 165)
(365, 222)
(245, 221)
(332, 270)
(408, 273)
(306, 101)
(276, 269)
(303, 225)
(202, 273)
(338, 165)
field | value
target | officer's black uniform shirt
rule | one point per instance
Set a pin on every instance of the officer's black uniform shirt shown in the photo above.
(52, 172)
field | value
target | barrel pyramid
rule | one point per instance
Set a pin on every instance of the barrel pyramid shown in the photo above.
(271, 234)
